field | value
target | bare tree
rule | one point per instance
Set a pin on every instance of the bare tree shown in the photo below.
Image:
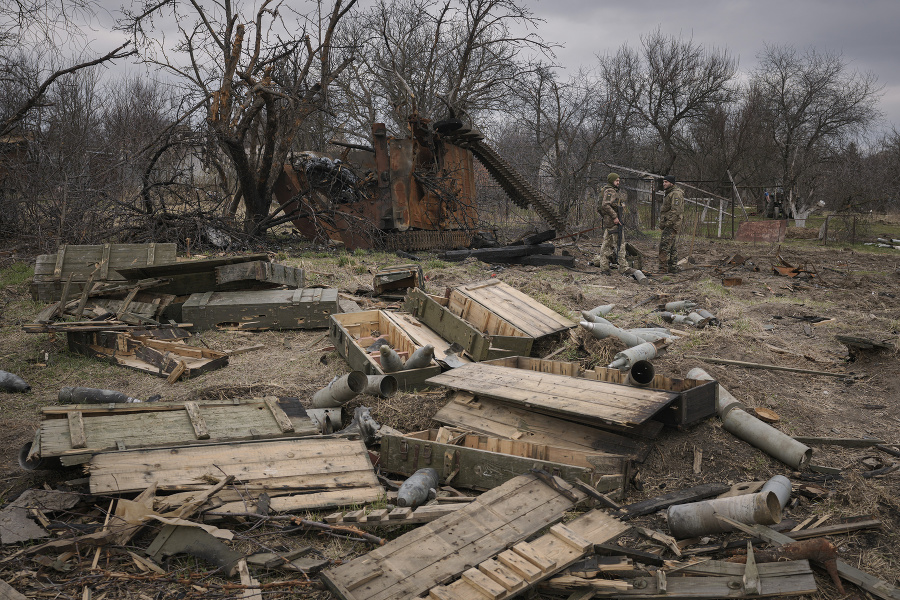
(257, 76)
(426, 56)
(669, 83)
(43, 31)
(815, 105)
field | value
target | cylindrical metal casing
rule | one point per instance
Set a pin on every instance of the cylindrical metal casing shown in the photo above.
(781, 487)
(699, 518)
(697, 319)
(640, 277)
(84, 395)
(384, 386)
(340, 390)
(592, 318)
(742, 424)
(650, 334)
(680, 305)
(641, 373)
(414, 491)
(624, 359)
(599, 311)
(602, 330)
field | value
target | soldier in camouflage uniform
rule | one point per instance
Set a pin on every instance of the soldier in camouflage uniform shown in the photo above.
(670, 217)
(612, 204)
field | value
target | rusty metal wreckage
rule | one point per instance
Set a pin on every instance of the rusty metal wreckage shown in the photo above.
(411, 193)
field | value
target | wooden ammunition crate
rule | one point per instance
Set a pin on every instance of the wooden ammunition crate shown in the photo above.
(256, 310)
(347, 329)
(480, 462)
(493, 338)
(696, 398)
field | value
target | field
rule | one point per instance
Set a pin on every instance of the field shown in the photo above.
(856, 288)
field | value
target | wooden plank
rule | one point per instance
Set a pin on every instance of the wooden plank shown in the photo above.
(510, 581)
(483, 584)
(76, 430)
(297, 464)
(413, 563)
(580, 399)
(197, 422)
(284, 422)
(492, 417)
(523, 567)
(140, 426)
(176, 374)
(64, 297)
(104, 262)
(521, 310)
(423, 335)
(79, 309)
(127, 302)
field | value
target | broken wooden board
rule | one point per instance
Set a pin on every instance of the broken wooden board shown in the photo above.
(312, 465)
(494, 418)
(346, 329)
(509, 304)
(261, 271)
(696, 398)
(142, 351)
(192, 276)
(790, 579)
(52, 270)
(259, 310)
(398, 277)
(478, 469)
(581, 400)
(525, 564)
(410, 565)
(144, 425)
(762, 231)
(383, 517)
(541, 365)
(478, 342)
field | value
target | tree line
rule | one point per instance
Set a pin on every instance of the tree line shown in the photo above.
(193, 147)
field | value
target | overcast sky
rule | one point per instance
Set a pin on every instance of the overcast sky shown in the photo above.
(864, 31)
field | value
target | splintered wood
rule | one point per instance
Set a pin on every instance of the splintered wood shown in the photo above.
(582, 400)
(321, 472)
(412, 564)
(525, 564)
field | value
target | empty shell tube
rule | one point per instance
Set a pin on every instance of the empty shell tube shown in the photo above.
(641, 373)
(384, 386)
(742, 424)
(699, 518)
(640, 277)
(340, 390)
(680, 305)
(781, 487)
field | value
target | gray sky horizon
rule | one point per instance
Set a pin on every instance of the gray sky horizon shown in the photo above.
(862, 32)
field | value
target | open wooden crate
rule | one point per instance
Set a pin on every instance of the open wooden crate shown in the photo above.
(347, 329)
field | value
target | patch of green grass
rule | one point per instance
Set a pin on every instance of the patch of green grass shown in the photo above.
(435, 263)
(359, 252)
(744, 325)
(343, 260)
(281, 256)
(313, 254)
(709, 287)
(360, 269)
(15, 274)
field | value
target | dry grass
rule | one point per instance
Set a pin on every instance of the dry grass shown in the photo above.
(862, 297)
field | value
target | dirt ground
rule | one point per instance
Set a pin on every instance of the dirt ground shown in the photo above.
(857, 290)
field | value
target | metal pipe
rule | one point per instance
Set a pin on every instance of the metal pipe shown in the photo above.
(383, 386)
(640, 277)
(85, 395)
(340, 390)
(641, 373)
(699, 518)
(698, 320)
(628, 357)
(742, 424)
(602, 330)
(780, 486)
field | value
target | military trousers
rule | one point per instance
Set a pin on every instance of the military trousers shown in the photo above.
(668, 250)
(611, 252)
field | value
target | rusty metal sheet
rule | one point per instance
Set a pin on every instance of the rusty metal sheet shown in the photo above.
(762, 231)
